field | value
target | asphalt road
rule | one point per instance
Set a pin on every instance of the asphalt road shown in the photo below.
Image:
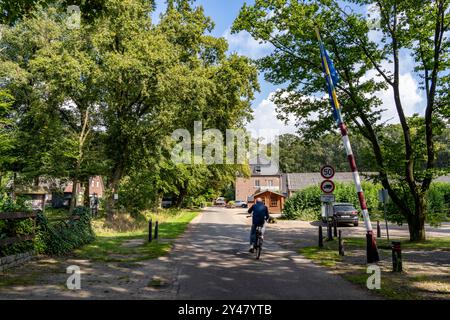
(213, 262)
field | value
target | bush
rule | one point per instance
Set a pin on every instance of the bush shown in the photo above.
(50, 238)
(13, 228)
(7, 204)
(438, 203)
(306, 205)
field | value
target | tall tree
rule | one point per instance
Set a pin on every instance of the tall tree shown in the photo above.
(416, 28)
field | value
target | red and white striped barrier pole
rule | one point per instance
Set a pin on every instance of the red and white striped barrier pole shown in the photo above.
(372, 250)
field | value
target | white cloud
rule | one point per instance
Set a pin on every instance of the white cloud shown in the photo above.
(265, 122)
(244, 44)
(410, 93)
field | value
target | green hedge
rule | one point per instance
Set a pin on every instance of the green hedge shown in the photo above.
(51, 238)
(64, 237)
(305, 204)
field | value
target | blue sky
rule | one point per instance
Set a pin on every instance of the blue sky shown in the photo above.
(224, 12)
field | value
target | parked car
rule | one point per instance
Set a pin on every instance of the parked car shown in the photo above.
(240, 204)
(345, 213)
(220, 201)
(167, 202)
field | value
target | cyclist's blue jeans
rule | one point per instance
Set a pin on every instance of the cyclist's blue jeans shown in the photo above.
(253, 233)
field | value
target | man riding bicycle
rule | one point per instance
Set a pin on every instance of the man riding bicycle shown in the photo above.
(260, 215)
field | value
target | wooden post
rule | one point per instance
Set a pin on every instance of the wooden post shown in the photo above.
(378, 229)
(156, 230)
(320, 237)
(396, 257)
(150, 230)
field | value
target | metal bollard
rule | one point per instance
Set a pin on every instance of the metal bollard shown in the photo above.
(378, 229)
(150, 230)
(396, 257)
(341, 244)
(320, 237)
(156, 230)
(335, 226)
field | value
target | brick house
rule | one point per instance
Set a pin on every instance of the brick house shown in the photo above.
(96, 187)
(265, 176)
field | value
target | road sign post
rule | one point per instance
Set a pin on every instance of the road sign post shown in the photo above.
(383, 196)
(327, 186)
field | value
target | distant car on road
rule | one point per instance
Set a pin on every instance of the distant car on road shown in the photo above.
(345, 213)
(167, 202)
(220, 201)
(240, 204)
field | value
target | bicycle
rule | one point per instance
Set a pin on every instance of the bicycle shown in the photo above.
(259, 241)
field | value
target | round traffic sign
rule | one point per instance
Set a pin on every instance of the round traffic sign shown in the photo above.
(327, 172)
(327, 186)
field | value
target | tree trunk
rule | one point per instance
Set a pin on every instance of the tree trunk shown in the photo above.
(73, 201)
(416, 222)
(13, 189)
(113, 188)
(180, 198)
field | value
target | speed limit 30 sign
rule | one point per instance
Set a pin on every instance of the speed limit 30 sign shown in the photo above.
(327, 172)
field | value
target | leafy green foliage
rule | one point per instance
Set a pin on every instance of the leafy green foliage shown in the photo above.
(20, 204)
(64, 237)
(50, 238)
(306, 205)
(105, 97)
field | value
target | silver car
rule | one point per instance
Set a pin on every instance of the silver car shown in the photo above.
(240, 204)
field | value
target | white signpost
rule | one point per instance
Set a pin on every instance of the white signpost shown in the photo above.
(383, 196)
(327, 186)
(327, 198)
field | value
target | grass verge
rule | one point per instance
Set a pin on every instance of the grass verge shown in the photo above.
(418, 281)
(133, 246)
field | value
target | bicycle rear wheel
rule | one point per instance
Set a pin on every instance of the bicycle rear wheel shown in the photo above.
(258, 248)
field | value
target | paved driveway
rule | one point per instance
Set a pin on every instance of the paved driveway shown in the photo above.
(213, 263)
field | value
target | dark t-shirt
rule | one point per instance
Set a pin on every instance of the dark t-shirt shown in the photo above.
(260, 213)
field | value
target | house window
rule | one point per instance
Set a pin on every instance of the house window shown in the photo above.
(258, 169)
(270, 183)
(273, 202)
(257, 183)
